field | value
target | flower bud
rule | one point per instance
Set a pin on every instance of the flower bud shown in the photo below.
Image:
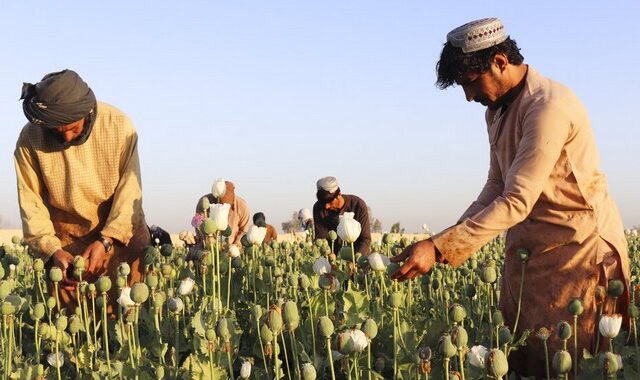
(332, 235)
(55, 274)
(446, 346)
(496, 364)
(564, 330)
(325, 326)
(303, 281)
(562, 362)
(208, 227)
(370, 328)
(457, 313)
(139, 293)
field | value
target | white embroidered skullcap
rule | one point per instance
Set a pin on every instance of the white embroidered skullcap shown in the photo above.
(477, 35)
(329, 184)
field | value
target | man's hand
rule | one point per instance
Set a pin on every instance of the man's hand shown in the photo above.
(94, 256)
(419, 257)
(63, 260)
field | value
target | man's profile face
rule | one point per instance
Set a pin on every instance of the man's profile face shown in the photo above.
(71, 131)
(335, 204)
(485, 88)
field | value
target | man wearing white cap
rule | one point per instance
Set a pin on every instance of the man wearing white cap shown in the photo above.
(544, 186)
(331, 204)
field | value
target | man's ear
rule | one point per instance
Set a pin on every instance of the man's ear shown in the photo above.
(501, 60)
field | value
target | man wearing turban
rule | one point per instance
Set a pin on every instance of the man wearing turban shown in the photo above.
(331, 204)
(544, 187)
(78, 180)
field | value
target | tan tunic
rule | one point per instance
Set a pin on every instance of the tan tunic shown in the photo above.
(239, 215)
(545, 187)
(271, 234)
(68, 197)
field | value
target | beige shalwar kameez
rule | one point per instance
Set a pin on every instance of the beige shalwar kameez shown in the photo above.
(69, 197)
(545, 187)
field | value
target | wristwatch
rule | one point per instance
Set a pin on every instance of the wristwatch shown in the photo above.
(106, 243)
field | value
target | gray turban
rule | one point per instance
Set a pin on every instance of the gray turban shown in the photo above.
(60, 99)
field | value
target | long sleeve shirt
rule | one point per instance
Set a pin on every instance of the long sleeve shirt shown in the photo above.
(75, 193)
(327, 220)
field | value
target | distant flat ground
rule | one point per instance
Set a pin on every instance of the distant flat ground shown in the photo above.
(7, 234)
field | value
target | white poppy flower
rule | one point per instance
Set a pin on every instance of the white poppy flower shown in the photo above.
(219, 214)
(233, 251)
(348, 228)
(609, 325)
(245, 370)
(219, 188)
(360, 341)
(186, 286)
(378, 261)
(255, 234)
(321, 266)
(56, 361)
(476, 356)
(125, 298)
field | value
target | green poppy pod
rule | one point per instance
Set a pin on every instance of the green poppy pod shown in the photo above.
(227, 231)
(224, 327)
(7, 308)
(575, 307)
(277, 272)
(615, 288)
(346, 253)
(436, 284)
(124, 269)
(489, 274)
(325, 250)
(457, 313)
(392, 267)
(6, 287)
(633, 311)
(210, 334)
(496, 364)
(61, 323)
(166, 270)
(175, 305)
(363, 261)
(504, 334)
(436, 274)
(51, 303)
(370, 328)
(38, 265)
(304, 281)
(308, 372)
(121, 282)
(139, 292)
(459, 337)
(497, 318)
(204, 203)
(564, 330)
(332, 235)
(396, 300)
(325, 326)
(79, 262)
(290, 315)
(325, 281)
(208, 227)
(237, 263)
(269, 261)
(446, 347)
(274, 320)
(473, 263)
(256, 312)
(158, 300)
(562, 362)
(405, 242)
(149, 255)
(266, 334)
(609, 363)
(38, 311)
(523, 254)
(75, 324)
(151, 279)
(55, 274)
(166, 250)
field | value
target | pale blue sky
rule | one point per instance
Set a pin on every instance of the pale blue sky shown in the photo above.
(275, 94)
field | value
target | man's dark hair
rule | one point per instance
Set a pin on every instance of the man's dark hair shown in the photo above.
(453, 62)
(259, 219)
